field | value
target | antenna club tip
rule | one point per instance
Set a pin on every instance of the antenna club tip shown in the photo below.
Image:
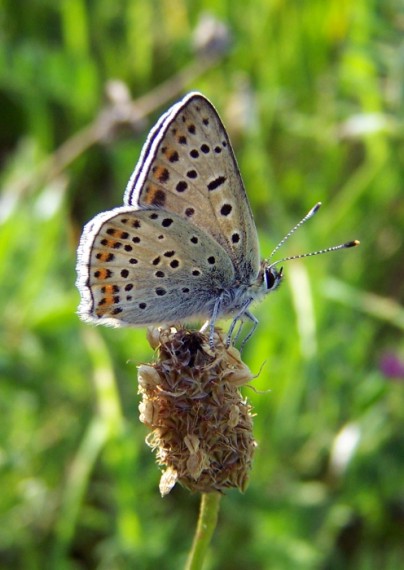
(353, 243)
(314, 210)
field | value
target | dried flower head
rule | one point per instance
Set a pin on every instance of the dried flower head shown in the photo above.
(201, 426)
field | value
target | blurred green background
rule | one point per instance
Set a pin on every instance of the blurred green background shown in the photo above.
(312, 95)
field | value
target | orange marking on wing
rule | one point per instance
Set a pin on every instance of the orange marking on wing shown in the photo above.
(161, 174)
(158, 172)
(107, 301)
(109, 290)
(102, 274)
(102, 310)
(109, 243)
(150, 193)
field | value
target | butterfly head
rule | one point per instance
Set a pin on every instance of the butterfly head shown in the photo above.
(269, 279)
(272, 278)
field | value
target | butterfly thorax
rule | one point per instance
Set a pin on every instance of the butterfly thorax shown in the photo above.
(233, 299)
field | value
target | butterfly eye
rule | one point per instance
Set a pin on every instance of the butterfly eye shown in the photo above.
(272, 277)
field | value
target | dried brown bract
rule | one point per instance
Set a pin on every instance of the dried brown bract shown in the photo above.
(201, 426)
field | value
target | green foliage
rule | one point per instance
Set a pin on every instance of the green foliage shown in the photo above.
(312, 96)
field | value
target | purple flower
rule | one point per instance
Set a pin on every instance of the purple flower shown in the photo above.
(392, 366)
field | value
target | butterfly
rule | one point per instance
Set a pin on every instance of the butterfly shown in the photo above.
(184, 246)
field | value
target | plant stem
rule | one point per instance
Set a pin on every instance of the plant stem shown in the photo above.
(207, 521)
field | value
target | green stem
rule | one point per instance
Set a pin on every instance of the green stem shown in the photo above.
(207, 521)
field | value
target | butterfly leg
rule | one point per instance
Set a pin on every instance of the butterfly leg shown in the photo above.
(213, 320)
(239, 318)
(252, 331)
(238, 331)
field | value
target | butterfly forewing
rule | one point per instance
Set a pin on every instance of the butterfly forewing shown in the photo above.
(188, 167)
(148, 266)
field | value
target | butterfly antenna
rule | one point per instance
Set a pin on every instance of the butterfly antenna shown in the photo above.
(353, 243)
(309, 215)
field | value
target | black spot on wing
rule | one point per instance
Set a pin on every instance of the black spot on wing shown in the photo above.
(216, 183)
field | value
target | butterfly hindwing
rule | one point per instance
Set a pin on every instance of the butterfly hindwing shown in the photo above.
(148, 266)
